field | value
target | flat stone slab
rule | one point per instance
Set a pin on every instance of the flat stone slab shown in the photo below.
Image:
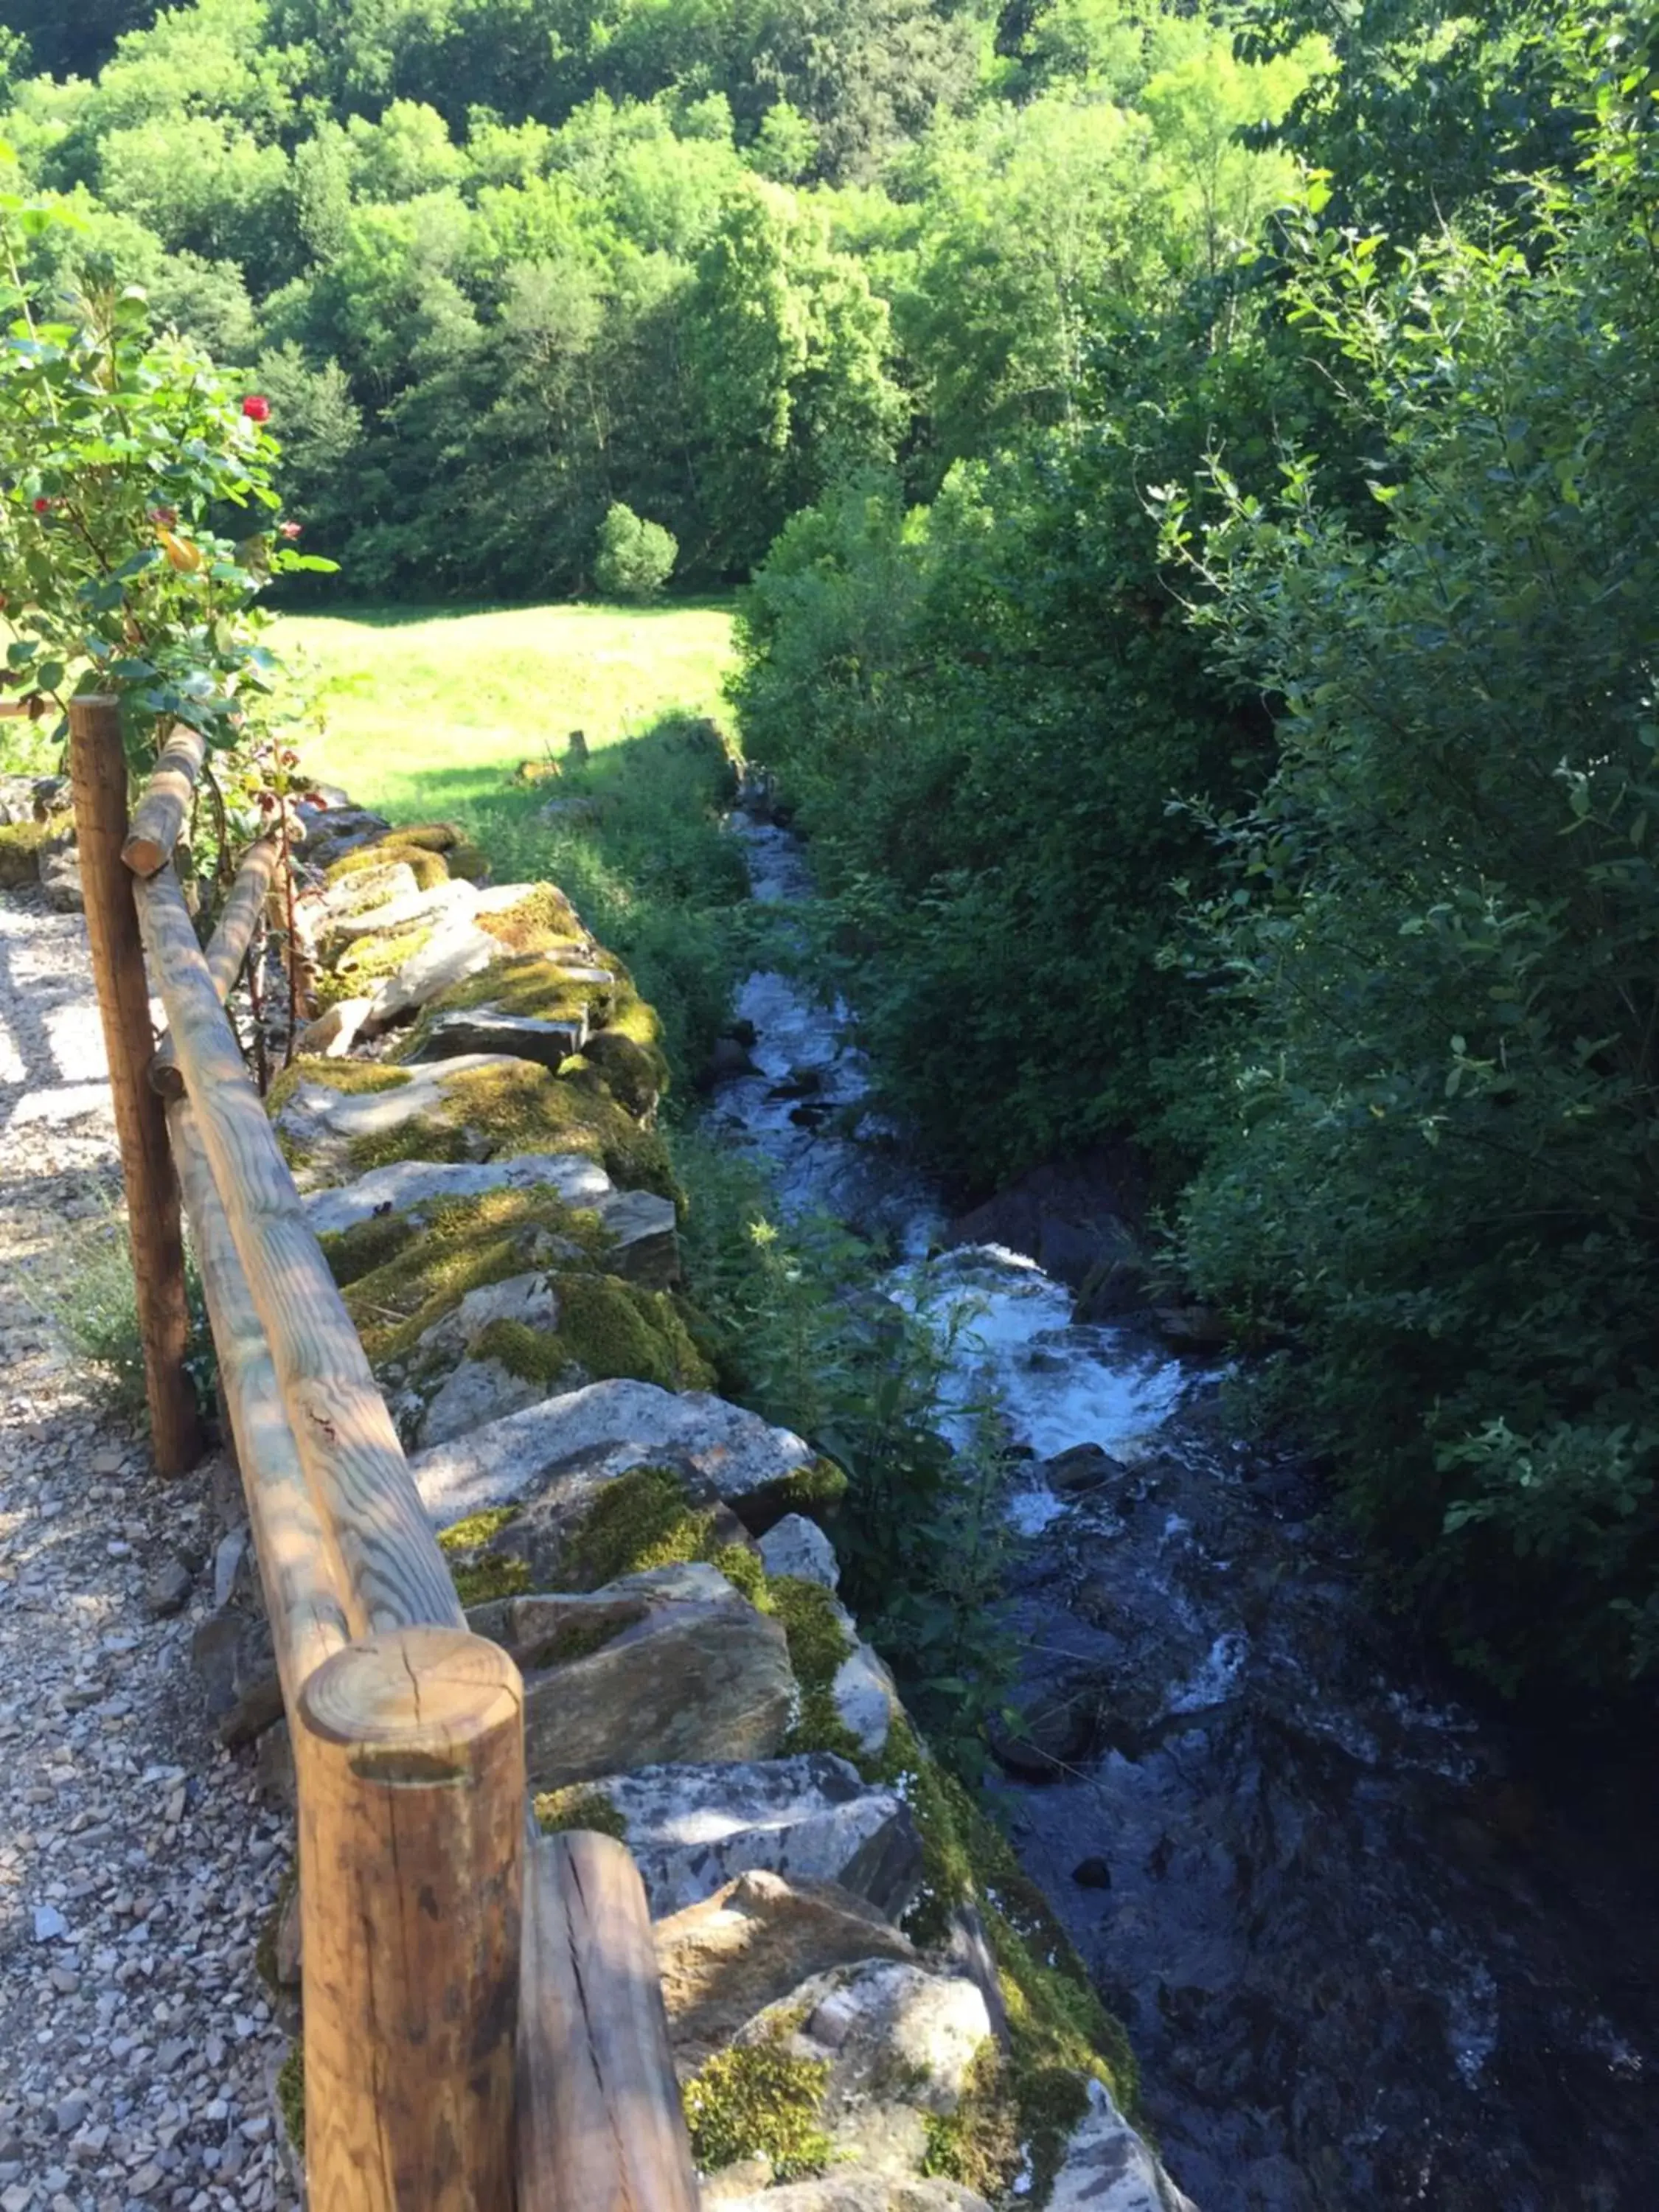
(369, 887)
(645, 1240)
(446, 903)
(324, 1123)
(712, 1680)
(1108, 2167)
(454, 952)
(810, 1818)
(474, 1392)
(409, 1186)
(521, 1036)
(847, 2192)
(567, 1448)
(751, 1944)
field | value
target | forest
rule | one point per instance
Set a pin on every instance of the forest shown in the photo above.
(1190, 473)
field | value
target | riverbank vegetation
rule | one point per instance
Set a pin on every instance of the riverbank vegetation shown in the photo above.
(1190, 473)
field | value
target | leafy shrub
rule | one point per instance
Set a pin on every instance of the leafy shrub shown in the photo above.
(1436, 1177)
(636, 558)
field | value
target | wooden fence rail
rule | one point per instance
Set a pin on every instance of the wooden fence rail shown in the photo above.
(461, 2054)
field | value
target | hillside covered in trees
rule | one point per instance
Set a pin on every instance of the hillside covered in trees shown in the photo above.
(1193, 472)
(500, 265)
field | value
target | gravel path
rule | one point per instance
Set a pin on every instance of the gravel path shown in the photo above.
(138, 1865)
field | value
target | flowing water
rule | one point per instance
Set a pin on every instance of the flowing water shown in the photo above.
(1374, 1947)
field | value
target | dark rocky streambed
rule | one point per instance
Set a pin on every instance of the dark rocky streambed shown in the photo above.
(1376, 1946)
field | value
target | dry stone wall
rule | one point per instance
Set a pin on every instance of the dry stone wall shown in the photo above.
(870, 2011)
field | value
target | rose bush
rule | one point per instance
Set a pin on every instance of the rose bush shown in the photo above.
(139, 524)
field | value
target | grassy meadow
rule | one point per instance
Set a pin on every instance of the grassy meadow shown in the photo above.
(424, 709)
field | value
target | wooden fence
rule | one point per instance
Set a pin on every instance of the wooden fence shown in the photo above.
(483, 2025)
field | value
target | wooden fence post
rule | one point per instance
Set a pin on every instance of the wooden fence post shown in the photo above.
(98, 771)
(410, 1755)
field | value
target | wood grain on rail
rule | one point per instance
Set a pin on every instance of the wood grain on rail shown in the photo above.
(298, 1565)
(356, 1471)
(227, 948)
(600, 2125)
(159, 817)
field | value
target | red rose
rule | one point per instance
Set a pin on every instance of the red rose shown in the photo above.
(43, 506)
(257, 408)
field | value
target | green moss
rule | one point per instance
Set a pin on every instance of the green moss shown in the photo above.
(428, 868)
(579, 1640)
(353, 863)
(1059, 2032)
(479, 1575)
(480, 1581)
(811, 1621)
(814, 1490)
(358, 1251)
(470, 862)
(20, 851)
(757, 2100)
(636, 1075)
(978, 2145)
(521, 1108)
(371, 960)
(346, 1076)
(544, 917)
(643, 1519)
(528, 984)
(478, 1529)
(467, 1243)
(291, 2096)
(428, 837)
(608, 1327)
(743, 1569)
(607, 1321)
(818, 1644)
(557, 1811)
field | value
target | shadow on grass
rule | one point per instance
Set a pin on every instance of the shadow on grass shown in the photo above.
(373, 614)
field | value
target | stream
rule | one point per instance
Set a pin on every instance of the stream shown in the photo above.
(1375, 1945)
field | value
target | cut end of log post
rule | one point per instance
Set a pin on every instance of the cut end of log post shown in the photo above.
(159, 818)
(414, 1705)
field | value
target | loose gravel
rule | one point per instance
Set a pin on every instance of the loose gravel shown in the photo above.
(138, 1865)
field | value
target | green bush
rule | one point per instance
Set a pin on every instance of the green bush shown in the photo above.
(1433, 1174)
(636, 558)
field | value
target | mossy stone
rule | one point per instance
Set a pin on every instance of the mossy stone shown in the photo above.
(428, 868)
(358, 1251)
(643, 1519)
(1059, 2032)
(470, 863)
(521, 1108)
(19, 850)
(466, 1244)
(559, 1811)
(635, 1074)
(543, 918)
(346, 1076)
(758, 2100)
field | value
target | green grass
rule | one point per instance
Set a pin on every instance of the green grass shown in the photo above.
(417, 701)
